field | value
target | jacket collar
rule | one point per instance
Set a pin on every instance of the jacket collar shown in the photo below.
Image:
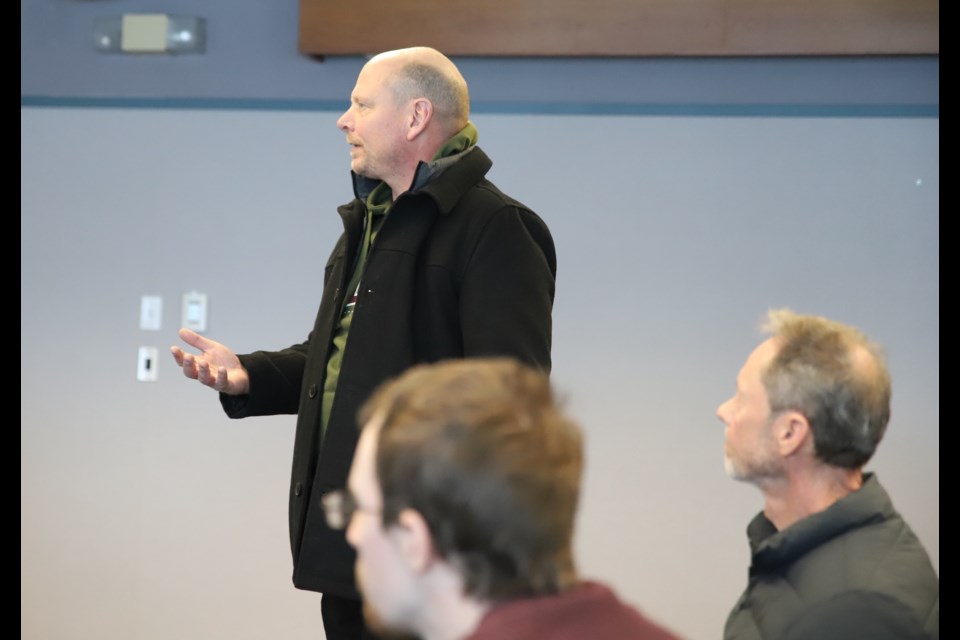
(772, 548)
(463, 169)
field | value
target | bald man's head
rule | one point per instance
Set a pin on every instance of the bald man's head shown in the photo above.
(422, 72)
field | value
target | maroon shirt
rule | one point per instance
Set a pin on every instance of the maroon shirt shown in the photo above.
(591, 611)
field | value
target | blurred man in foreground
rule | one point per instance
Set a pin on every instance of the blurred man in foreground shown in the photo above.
(461, 503)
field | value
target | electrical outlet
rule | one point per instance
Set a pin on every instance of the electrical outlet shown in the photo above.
(147, 364)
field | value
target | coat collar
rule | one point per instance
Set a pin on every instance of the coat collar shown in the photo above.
(462, 170)
(772, 548)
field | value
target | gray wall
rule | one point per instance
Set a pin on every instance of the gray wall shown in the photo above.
(686, 196)
(145, 513)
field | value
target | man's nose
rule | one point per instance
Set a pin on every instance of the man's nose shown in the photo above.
(352, 533)
(343, 120)
(722, 411)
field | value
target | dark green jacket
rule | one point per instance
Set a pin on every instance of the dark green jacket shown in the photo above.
(855, 570)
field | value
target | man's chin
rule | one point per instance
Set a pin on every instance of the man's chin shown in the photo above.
(734, 472)
(383, 630)
(731, 472)
(359, 167)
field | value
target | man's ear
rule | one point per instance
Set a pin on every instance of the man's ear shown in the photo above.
(792, 433)
(421, 113)
(415, 540)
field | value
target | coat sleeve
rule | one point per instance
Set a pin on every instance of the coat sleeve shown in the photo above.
(507, 291)
(275, 380)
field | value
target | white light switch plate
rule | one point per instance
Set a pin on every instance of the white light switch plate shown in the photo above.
(151, 313)
(195, 311)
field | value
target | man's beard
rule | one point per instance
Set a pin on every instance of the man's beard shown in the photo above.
(755, 468)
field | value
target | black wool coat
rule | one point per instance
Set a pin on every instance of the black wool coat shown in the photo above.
(458, 269)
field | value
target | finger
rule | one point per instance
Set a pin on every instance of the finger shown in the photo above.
(206, 376)
(189, 366)
(221, 383)
(194, 339)
(177, 355)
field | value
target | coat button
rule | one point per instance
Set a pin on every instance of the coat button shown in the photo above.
(312, 391)
(298, 489)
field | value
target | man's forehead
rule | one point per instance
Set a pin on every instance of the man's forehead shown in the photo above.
(759, 358)
(375, 422)
(372, 78)
(363, 469)
(378, 67)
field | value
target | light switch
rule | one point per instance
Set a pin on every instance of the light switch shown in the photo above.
(147, 364)
(195, 311)
(151, 313)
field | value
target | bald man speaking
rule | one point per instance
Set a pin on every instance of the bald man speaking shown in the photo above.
(434, 263)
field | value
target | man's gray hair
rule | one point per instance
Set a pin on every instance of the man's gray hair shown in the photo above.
(836, 377)
(446, 91)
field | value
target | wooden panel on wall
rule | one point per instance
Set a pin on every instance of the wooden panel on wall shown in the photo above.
(623, 27)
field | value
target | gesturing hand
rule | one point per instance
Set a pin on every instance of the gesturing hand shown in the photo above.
(216, 366)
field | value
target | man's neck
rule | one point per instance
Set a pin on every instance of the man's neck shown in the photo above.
(433, 145)
(454, 621)
(400, 184)
(792, 498)
(449, 613)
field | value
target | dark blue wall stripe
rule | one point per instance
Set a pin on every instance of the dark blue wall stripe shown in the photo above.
(524, 108)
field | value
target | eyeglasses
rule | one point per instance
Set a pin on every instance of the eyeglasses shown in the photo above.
(339, 507)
